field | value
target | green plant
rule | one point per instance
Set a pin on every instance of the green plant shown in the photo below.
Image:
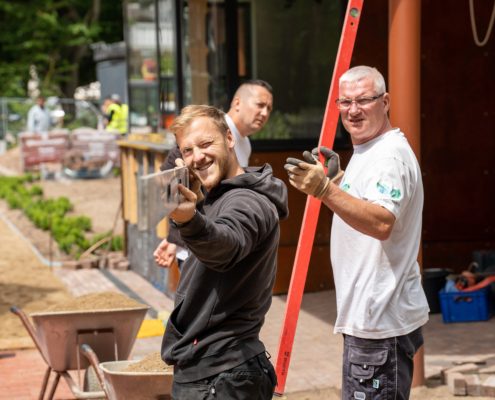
(51, 215)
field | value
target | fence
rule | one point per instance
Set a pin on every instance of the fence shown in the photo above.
(64, 114)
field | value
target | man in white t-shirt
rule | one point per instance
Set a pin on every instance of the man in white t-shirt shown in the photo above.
(375, 238)
(249, 111)
(38, 119)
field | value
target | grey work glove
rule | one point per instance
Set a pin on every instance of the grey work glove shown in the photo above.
(308, 176)
(332, 162)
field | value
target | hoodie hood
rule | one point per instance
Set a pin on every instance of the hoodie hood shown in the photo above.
(260, 180)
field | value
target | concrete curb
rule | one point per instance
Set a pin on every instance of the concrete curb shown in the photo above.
(40, 257)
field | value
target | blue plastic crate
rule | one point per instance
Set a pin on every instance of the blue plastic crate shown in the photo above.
(466, 306)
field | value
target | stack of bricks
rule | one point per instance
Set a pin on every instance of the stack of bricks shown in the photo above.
(471, 379)
(112, 260)
(40, 149)
(96, 145)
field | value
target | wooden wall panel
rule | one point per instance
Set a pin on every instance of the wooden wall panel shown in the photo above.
(458, 133)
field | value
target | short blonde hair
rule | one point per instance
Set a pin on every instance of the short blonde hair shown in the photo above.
(189, 113)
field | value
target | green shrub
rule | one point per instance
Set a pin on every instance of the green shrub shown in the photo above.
(50, 214)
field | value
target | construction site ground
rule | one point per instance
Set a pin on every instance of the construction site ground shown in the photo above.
(315, 369)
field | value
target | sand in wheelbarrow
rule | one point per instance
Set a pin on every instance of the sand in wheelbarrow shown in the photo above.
(114, 315)
(95, 302)
(151, 363)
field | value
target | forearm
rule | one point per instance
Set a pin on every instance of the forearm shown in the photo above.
(228, 239)
(233, 233)
(368, 218)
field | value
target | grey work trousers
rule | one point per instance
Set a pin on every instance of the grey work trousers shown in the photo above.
(379, 369)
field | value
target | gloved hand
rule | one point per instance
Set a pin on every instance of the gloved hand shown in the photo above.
(307, 176)
(332, 162)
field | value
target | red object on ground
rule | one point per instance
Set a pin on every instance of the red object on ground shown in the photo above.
(312, 210)
(481, 284)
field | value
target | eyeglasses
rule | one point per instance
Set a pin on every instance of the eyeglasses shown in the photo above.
(345, 104)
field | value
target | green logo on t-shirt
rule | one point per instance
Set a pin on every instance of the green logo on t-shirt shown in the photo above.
(386, 189)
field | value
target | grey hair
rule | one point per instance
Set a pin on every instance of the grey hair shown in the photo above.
(360, 72)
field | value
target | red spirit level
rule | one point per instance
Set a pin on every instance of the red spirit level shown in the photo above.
(310, 218)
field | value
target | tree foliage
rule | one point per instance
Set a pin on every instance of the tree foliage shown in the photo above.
(54, 36)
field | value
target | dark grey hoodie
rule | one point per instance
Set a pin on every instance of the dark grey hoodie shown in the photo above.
(226, 284)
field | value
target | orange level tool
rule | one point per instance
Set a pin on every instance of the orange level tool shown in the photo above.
(312, 210)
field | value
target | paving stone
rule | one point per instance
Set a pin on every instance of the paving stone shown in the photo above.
(102, 262)
(123, 265)
(456, 384)
(473, 384)
(86, 263)
(115, 255)
(490, 370)
(112, 263)
(21, 376)
(488, 387)
(469, 368)
(71, 265)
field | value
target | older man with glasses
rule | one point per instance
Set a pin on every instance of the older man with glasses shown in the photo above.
(375, 237)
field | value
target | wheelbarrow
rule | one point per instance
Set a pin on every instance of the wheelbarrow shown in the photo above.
(119, 384)
(59, 334)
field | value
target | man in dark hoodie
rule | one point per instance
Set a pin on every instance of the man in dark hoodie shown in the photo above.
(225, 288)
(249, 112)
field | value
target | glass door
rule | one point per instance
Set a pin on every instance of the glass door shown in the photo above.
(217, 52)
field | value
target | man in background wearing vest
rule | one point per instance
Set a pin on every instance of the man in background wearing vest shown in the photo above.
(117, 115)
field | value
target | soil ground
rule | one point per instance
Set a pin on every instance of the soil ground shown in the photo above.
(27, 283)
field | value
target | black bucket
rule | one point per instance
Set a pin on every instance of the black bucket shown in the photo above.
(433, 281)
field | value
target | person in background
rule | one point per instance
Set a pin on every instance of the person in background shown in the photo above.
(116, 115)
(225, 287)
(375, 238)
(249, 112)
(38, 119)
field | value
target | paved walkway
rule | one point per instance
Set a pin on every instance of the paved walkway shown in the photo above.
(316, 360)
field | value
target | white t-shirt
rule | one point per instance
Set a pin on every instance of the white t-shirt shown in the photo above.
(38, 120)
(378, 283)
(242, 144)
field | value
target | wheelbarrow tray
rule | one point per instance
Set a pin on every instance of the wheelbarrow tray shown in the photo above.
(110, 333)
(122, 385)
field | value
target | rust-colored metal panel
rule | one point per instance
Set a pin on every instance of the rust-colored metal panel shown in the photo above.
(289, 229)
(457, 123)
(458, 140)
(319, 272)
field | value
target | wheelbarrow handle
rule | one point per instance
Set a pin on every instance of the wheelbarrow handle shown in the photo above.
(29, 327)
(95, 363)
